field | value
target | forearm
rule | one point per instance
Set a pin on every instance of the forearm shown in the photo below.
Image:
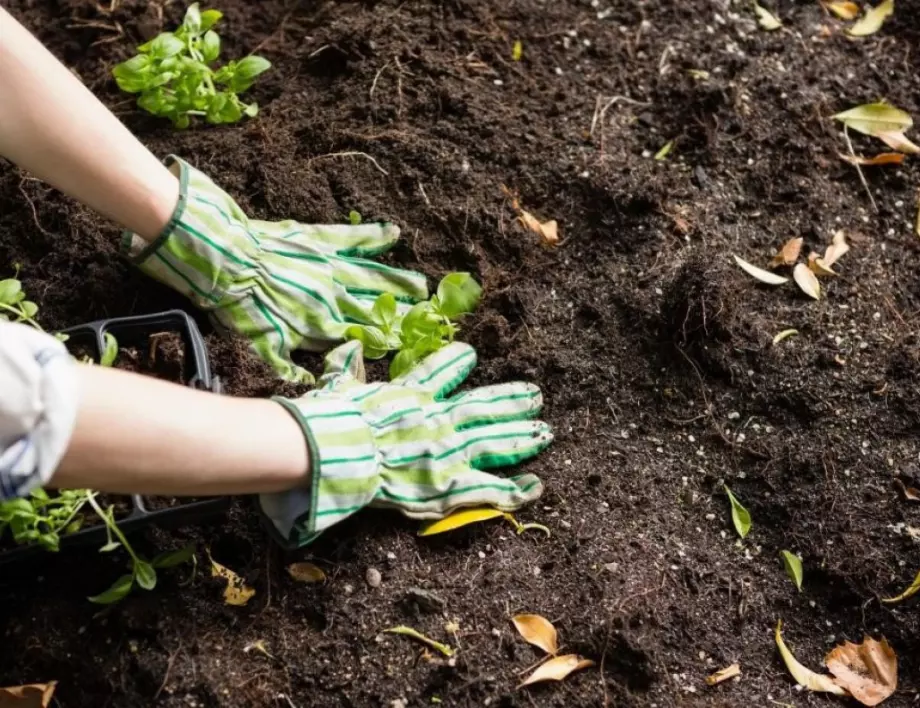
(139, 435)
(53, 126)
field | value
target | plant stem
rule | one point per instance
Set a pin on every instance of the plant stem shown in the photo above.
(109, 521)
(21, 316)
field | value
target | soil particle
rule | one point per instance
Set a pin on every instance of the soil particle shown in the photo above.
(373, 577)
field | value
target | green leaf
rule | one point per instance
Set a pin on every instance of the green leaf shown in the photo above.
(251, 109)
(793, 567)
(419, 322)
(145, 574)
(663, 153)
(210, 46)
(209, 18)
(740, 516)
(458, 294)
(170, 559)
(192, 21)
(354, 217)
(166, 45)
(246, 71)
(120, 588)
(876, 119)
(384, 310)
(9, 290)
(403, 363)
(133, 67)
(28, 308)
(110, 546)
(374, 341)
(111, 350)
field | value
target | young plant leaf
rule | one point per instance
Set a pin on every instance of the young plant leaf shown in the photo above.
(788, 254)
(909, 592)
(458, 294)
(665, 150)
(538, 631)
(110, 353)
(869, 671)
(373, 339)
(145, 575)
(844, 9)
(384, 310)
(120, 588)
(237, 593)
(766, 19)
(170, 559)
(764, 276)
(418, 636)
(872, 21)
(557, 669)
(803, 676)
(741, 518)
(306, 573)
(458, 519)
(793, 566)
(725, 674)
(354, 217)
(9, 290)
(807, 281)
(402, 363)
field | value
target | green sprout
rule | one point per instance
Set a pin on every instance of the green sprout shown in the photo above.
(174, 76)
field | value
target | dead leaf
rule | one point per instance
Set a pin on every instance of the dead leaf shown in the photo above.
(817, 265)
(259, 646)
(807, 281)
(898, 141)
(844, 9)
(885, 158)
(538, 631)
(766, 19)
(869, 671)
(724, 674)
(418, 636)
(764, 276)
(784, 334)
(459, 519)
(838, 248)
(306, 573)
(876, 119)
(557, 668)
(788, 254)
(33, 695)
(910, 592)
(237, 593)
(872, 21)
(909, 493)
(804, 676)
(548, 231)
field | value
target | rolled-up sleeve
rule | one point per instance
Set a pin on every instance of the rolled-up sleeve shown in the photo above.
(38, 407)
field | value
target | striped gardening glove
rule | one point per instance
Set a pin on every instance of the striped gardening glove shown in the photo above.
(282, 285)
(405, 445)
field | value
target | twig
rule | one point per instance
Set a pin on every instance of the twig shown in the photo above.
(284, 696)
(376, 79)
(603, 678)
(421, 189)
(169, 665)
(350, 153)
(862, 177)
(31, 203)
(399, 92)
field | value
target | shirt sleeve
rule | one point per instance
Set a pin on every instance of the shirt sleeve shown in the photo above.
(38, 407)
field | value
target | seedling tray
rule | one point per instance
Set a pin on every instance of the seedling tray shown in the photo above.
(135, 332)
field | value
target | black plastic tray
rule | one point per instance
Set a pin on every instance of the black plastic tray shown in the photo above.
(131, 331)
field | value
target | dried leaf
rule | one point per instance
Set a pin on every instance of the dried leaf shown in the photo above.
(898, 141)
(793, 567)
(306, 573)
(460, 518)
(418, 636)
(807, 281)
(788, 254)
(236, 593)
(724, 674)
(764, 276)
(557, 668)
(33, 695)
(804, 676)
(909, 493)
(876, 119)
(872, 21)
(784, 334)
(259, 646)
(910, 592)
(844, 9)
(766, 19)
(664, 151)
(838, 248)
(817, 265)
(741, 518)
(538, 631)
(885, 158)
(548, 231)
(869, 671)
(517, 51)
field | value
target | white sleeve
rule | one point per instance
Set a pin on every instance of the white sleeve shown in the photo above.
(38, 407)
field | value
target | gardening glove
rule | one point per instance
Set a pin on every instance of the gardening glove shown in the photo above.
(405, 445)
(282, 285)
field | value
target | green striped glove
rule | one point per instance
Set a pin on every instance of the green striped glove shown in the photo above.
(404, 445)
(283, 285)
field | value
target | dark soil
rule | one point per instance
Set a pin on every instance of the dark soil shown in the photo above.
(654, 351)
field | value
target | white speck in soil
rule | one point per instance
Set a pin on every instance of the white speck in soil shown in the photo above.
(373, 577)
(391, 556)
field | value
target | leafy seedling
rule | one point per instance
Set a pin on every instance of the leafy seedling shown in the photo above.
(793, 565)
(41, 518)
(355, 218)
(741, 518)
(175, 77)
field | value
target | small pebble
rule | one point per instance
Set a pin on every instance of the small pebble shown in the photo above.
(373, 577)
(391, 556)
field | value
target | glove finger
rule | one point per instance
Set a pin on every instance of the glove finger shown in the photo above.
(505, 444)
(465, 489)
(344, 362)
(361, 277)
(366, 240)
(441, 372)
(493, 404)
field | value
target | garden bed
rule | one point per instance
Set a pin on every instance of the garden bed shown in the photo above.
(654, 351)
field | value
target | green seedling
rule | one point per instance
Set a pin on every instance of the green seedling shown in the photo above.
(43, 519)
(174, 75)
(355, 218)
(13, 303)
(424, 329)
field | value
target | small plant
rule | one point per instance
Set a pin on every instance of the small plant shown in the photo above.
(174, 76)
(424, 329)
(13, 304)
(43, 519)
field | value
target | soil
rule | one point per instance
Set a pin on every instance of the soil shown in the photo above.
(654, 351)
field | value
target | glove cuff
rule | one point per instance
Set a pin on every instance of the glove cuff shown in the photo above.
(344, 467)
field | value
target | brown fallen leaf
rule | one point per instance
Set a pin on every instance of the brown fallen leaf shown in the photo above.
(33, 695)
(236, 593)
(838, 248)
(557, 668)
(844, 9)
(724, 674)
(807, 281)
(548, 231)
(909, 493)
(788, 254)
(306, 573)
(817, 265)
(538, 631)
(898, 141)
(885, 158)
(869, 671)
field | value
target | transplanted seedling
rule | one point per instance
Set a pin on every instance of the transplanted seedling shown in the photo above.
(174, 76)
